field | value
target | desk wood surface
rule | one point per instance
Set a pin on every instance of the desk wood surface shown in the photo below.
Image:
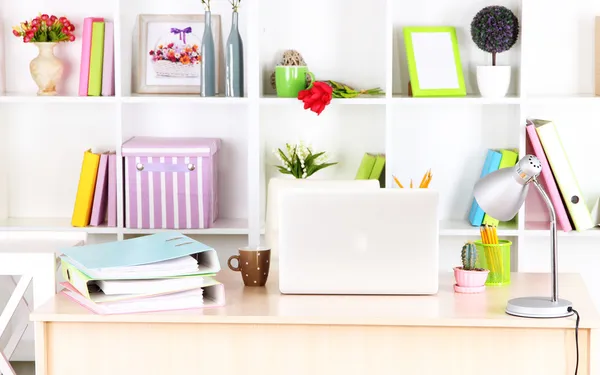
(265, 305)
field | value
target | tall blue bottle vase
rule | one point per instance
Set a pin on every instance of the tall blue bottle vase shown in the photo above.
(234, 66)
(208, 85)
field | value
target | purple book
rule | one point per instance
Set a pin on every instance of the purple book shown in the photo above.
(112, 190)
(100, 193)
(108, 67)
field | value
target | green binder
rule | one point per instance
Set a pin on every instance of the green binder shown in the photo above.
(366, 167)
(508, 160)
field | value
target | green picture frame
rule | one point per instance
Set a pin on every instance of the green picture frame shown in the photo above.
(434, 63)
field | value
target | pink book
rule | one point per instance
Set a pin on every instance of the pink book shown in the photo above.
(108, 67)
(537, 210)
(100, 193)
(86, 48)
(112, 190)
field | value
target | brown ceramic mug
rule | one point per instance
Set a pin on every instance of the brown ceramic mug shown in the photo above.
(253, 263)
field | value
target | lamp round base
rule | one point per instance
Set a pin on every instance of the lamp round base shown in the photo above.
(538, 307)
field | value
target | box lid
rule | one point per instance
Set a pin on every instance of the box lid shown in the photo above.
(163, 146)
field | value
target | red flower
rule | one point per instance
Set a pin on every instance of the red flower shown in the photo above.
(16, 33)
(52, 18)
(49, 23)
(71, 38)
(151, 53)
(71, 27)
(317, 97)
(62, 19)
(44, 17)
(65, 30)
(170, 45)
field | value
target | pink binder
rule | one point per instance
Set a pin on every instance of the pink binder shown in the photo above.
(100, 193)
(537, 210)
(108, 67)
(112, 191)
(86, 47)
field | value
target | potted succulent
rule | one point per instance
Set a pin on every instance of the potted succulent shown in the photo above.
(494, 29)
(469, 279)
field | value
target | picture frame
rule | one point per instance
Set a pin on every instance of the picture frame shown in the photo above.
(434, 63)
(180, 36)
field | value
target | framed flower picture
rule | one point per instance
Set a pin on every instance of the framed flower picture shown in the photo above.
(168, 57)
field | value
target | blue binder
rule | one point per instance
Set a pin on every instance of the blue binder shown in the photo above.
(492, 163)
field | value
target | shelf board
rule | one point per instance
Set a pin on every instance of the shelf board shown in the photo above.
(192, 99)
(464, 228)
(563, 99)
(542, 229)
(220, 227)
(24, 98)
(50, 224)
(469, 99)
(366, 100)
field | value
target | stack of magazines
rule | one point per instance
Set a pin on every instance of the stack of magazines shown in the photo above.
(164, 271)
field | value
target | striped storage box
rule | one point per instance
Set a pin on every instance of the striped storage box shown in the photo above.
(170, 183)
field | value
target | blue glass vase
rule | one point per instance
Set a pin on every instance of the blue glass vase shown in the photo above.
(234, 66)
(208, 71)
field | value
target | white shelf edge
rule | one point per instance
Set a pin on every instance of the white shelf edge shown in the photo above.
(273, 100)
(469, 99)
(182, 99)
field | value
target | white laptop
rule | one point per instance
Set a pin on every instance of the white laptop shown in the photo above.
(340, 241)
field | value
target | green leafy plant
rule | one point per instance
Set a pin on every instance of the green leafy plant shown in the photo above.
(206, 4)
(235, 4)
(300, 161)
(468, 255)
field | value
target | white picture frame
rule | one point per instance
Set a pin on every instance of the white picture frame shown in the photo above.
(153, 75)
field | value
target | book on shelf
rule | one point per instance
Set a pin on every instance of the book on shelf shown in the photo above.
(164, 271)
(563, 173)
(95, 202)
(372, 167)
(491, 164)
(508, 160)
(535, 203)
(96, 75)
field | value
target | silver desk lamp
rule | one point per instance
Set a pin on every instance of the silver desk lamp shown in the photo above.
(501, 194)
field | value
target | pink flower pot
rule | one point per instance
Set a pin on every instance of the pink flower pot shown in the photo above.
(470, 279)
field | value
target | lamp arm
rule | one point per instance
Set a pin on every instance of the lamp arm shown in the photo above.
(553, 239)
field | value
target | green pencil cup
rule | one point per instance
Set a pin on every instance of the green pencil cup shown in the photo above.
(495, 258)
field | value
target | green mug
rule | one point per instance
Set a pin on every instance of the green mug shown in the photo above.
(290, 80)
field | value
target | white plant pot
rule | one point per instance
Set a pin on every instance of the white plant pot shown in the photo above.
(493, 81)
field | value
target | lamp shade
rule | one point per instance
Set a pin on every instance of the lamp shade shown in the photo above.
(501, 194)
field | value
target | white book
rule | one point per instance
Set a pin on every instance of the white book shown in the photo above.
(172, 267)
(151, 286)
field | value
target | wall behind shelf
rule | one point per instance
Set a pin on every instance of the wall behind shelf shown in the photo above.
(453, 142)
(130, 9)
(560, 47)
(341, 40)
(17, 75)
(459, 15)
(45, 154)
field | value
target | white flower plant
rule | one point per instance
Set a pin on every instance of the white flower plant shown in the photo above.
(300, 161)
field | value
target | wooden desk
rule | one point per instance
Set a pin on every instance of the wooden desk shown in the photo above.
(263, 332)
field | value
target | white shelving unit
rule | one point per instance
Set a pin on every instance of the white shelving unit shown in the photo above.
(357, 42)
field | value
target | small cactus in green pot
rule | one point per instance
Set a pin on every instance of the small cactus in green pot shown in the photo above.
(469, 278)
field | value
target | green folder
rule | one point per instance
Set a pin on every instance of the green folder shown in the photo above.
(378, 170)
(366, 167)
(96, 59)
(508, 160)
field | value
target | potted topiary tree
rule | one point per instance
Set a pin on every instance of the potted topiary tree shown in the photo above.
(494, 29)
(469, 279)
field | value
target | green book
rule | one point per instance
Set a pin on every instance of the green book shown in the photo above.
(366, 167)
(378, 170)
(96, 59)
(508, 160)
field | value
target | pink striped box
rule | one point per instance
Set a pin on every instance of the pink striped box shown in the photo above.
(170, 183)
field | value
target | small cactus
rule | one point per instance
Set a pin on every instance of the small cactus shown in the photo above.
(469, 256)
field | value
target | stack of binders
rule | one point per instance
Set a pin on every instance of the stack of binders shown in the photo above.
(160, 272)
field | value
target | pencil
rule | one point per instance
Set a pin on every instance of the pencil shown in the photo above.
(411, 184)
(423, 180)
(428, 179)
(398, 183)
